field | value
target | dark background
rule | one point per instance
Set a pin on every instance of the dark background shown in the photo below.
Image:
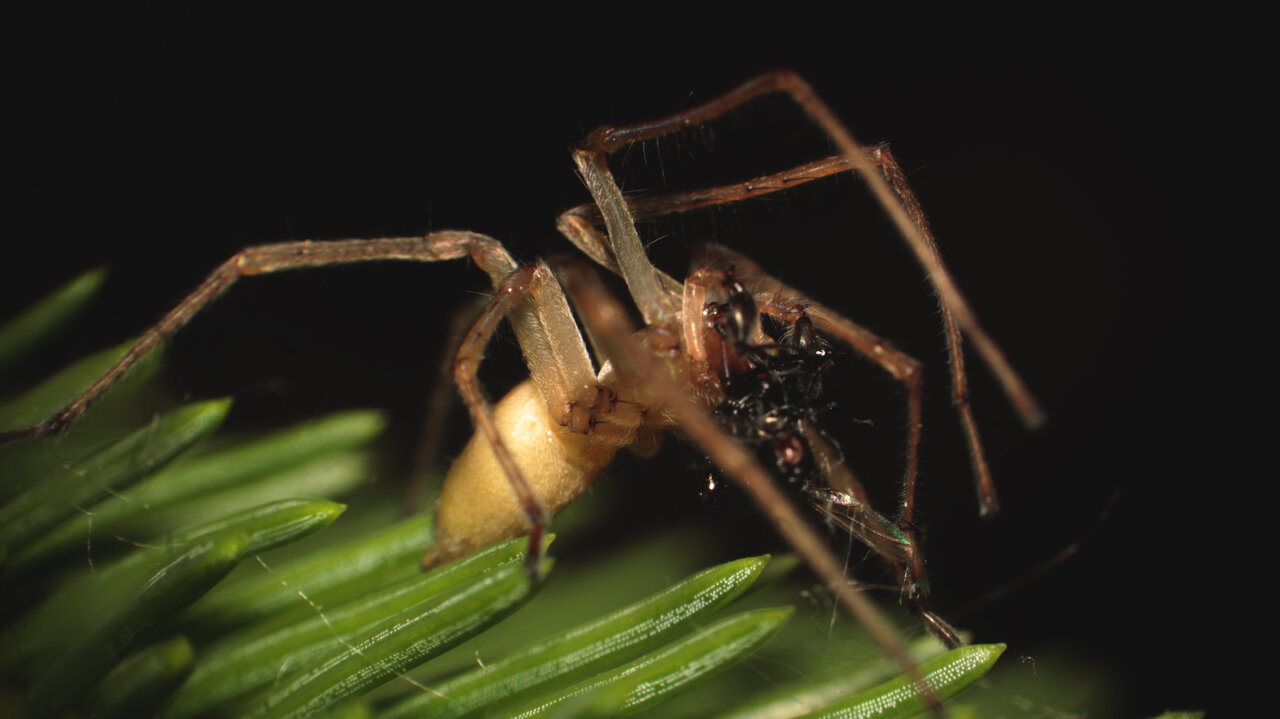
(159, 141)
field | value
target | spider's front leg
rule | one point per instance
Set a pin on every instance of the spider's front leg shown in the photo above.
(487, 252)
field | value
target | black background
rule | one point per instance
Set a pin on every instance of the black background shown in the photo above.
(1057, 175)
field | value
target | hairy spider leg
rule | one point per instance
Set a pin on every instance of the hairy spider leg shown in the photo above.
(267, 259)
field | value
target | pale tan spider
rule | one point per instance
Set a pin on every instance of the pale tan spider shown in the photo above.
(547, 440)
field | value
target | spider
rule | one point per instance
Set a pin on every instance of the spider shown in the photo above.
(702, 347)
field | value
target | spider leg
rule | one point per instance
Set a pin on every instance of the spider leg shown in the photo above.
(657, 302)
(607, 320)
(585, 218)
(579, 224)
(510, 293)
(1023, 401)
(545, 328)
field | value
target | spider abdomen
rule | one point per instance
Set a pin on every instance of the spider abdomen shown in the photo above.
(477, 505)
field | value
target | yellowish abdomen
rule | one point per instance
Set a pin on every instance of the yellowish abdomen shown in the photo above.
(477, 506)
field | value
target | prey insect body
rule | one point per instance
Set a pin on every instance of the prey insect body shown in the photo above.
(774, 402)
(701, 363)
(773, 390)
